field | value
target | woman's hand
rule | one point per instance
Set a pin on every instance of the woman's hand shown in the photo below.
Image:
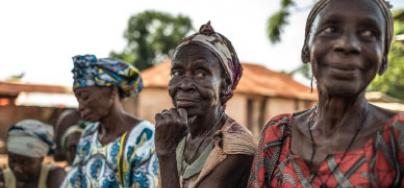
(171, 126)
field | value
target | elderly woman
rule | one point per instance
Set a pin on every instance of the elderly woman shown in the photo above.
(28, 142)
(197, 144)
(116, 149)
(343, 141)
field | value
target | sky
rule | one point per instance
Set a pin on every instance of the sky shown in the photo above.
(40, 37)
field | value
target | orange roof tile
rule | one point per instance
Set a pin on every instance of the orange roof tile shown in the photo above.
(256, 80)
(14, 88)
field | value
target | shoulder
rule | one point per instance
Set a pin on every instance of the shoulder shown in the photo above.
(236, 139)
(394, 130)
(90, 128)
(231, 172)
(140, 143)
(275, 127)
(231, 126)
(142, 132)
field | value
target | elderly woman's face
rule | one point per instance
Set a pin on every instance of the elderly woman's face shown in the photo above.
(196, 80)
(347, 46)
(25, 169)
(94, 102)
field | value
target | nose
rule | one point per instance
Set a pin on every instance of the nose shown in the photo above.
(186, 84)
(81, 108)
(348, 43)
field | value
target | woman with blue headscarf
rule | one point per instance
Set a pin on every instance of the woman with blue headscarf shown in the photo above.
(28, 143)
(116, 149)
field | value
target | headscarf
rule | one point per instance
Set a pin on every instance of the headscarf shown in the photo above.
(321, 4)
(78, 128)
(30, 138)
(90, 71)
(222, 48)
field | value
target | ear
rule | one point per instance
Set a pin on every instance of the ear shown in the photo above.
(224, 94)
(305, 54)
(114, 93)
(383, 66)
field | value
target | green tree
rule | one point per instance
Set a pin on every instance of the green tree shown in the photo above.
(392, 81)
(151, 36)
(275, 26)
(278, 21)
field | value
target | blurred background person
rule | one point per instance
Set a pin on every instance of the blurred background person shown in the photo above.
(28, 142)
(66, 119)
(69, 141)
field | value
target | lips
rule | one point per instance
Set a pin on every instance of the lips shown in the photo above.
(185, 103)
(342, 73)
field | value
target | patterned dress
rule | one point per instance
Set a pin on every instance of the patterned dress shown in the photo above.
(129, 161)
(380, 163)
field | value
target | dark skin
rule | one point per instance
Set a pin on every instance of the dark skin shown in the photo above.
(197, 90)
(346, 52)
(71, 147)
(27, 171)
(103, 104)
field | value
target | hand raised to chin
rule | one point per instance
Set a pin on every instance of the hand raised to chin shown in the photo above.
(171, 126)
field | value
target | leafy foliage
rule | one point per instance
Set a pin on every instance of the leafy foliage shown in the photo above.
(392, 81)
(151, 36)
(278, 21)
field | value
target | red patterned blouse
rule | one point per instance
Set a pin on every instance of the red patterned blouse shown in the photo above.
(380, 163)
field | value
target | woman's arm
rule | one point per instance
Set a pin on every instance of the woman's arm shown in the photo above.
(170, 129)
(169, 177)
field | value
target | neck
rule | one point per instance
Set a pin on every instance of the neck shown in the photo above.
(116, 116)
(335, 112)
(203, 124)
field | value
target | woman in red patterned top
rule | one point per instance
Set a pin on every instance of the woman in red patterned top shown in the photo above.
(343, 141)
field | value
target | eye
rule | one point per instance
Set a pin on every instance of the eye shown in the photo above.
(329, 30)
(368, 34)
(200, 73)
(176, 73)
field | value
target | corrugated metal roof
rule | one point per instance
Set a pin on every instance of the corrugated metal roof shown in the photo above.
(256, 80)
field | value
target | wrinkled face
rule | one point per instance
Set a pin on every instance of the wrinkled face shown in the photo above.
(71, 146)
(196, 80)
(347, 46)
(25, 169)
(94, 102)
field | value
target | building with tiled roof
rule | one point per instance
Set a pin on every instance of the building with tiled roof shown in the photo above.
(260, 95)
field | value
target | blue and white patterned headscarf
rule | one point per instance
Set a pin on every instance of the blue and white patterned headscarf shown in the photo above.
(90, 71)
(30, 138)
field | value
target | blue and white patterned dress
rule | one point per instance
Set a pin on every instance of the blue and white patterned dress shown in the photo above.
(101, 166)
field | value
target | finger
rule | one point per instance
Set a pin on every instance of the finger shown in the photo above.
(158, 117)
(183, 115)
